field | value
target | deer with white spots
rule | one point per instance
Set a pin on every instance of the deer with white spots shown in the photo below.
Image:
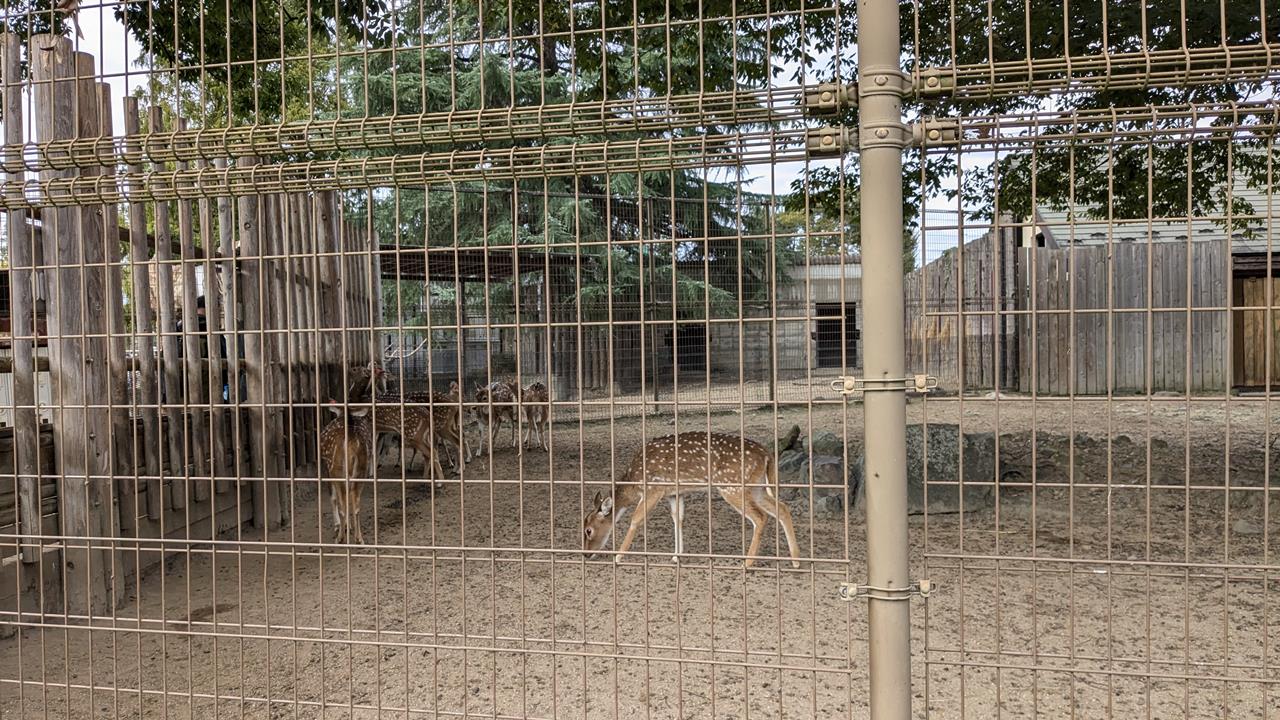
(444, 427)
(535, 403)
(742, 471)
(413, 424)
(347, 452)
(499, 401)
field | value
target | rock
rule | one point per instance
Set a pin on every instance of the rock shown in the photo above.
(792, 438)
(826, 443)
(1246, 527)
(828, 472)
(790, 461)
(829, 506)
(855, 481)
(944, 469)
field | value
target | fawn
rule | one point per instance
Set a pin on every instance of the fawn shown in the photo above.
(501, 401)
(742, 471)
(346, 450)
(534, 401)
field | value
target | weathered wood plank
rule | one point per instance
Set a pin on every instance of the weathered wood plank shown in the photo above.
(63, 110)
(22, 258)
(250, 292)
(170, 362)
(146, 390)
(195, 385)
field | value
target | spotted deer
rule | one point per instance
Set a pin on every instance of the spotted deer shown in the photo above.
(347, 452)
(446, 427)
(535, 403)
(670, 467)
(498, 401)
(412, 424)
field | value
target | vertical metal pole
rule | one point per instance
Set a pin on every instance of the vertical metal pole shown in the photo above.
(881, 139)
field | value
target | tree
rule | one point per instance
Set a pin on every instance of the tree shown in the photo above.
(1134, 178)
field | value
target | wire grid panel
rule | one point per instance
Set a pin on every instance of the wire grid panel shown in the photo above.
(349, 321)
(1095, 485)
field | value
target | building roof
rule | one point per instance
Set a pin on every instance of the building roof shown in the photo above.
(1065, 227)
(448, 264)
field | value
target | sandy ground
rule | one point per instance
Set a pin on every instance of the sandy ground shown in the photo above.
(1125, 572)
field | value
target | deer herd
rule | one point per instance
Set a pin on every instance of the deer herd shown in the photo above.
(742, 472)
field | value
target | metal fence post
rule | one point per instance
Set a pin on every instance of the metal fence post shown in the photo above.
(882, 137)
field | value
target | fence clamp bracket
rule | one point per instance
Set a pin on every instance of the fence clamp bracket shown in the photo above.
(831, 141)
(932, 131)
(850, 385)
(853, 591)
(934, 81)
(830, 98)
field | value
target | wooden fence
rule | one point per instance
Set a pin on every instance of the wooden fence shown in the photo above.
(1126, 318)
(134, 399)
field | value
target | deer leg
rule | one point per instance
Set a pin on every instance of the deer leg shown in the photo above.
(741, 502)
(676, 502)
(337, 512)
(642, 511)
(353, 516)
(779, 510)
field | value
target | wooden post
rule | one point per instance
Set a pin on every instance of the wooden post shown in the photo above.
(76, 322)
(143, 323)
(249, 289)
(26, 436)
(121, 426)
(195, 387)
(302, 280)
(330, 344)
(173, 425)
(277, 358)
(230, 298)
(218, 467)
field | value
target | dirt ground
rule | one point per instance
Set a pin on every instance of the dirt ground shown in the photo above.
(1125, 571)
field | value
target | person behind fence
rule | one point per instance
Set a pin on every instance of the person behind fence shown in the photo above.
(202, 328)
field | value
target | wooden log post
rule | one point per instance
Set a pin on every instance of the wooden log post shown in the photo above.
(171, 385)
(195, 388)
(239, 463)
(122, 428)
(144, 346)
(250, 292)
(305, 384)
(329, 302)
(275, 321)
(212, 339)
(22, 256)
(77, 342)
(100, 244)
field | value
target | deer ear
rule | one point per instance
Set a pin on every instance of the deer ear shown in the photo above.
(606, 506)
(360, 413)
(334, 407)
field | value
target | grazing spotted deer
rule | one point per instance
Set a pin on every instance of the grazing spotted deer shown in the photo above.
(742, 471)
(347, 452)
(535, 403)
(499, 401)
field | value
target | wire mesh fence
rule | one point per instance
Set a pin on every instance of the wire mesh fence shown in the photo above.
(346, 346)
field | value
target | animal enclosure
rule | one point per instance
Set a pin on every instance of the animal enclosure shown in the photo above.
(534, 360)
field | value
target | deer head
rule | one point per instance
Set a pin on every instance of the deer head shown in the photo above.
(599, 522)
